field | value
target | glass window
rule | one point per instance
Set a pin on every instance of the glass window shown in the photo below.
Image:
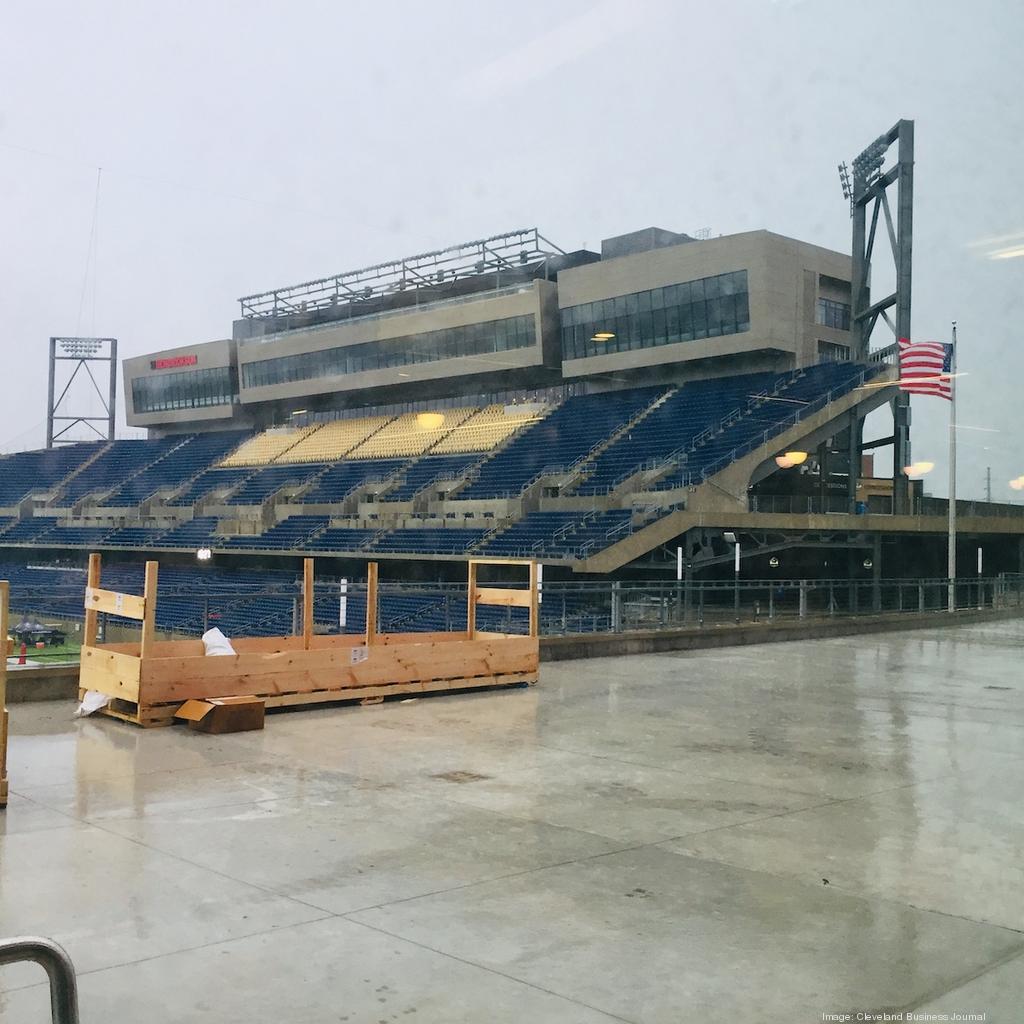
(473, 339)
(834, 314)
(709, 307)
(192, 389)
(699, 313)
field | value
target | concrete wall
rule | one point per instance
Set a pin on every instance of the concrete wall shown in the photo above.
(782, 276)
(534, 299)
(606, 645)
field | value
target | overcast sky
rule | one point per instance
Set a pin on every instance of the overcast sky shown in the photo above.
(247, 145)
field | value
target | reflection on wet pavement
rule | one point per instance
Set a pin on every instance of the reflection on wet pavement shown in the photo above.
(761, 833)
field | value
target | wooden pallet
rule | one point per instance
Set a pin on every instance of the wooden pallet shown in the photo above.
(148, 681)
(155, 715)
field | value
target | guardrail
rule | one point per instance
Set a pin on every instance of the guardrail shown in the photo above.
(58, 966)
(573, 605)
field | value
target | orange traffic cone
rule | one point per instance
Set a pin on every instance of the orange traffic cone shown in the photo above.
(21, 656)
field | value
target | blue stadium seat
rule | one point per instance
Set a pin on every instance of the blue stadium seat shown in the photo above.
(262, 483)
(427, 541)
(209, 481)
(195, 533)
(27, 473)
(115, 465)
(558, 441)
(344, 477)
(195, 453)
(291, 534)
(428, 469)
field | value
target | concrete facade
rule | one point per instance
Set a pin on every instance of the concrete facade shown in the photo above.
(536, 299)
(785, 279)
(208, 355)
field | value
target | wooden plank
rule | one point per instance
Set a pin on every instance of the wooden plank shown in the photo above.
(116, 675)
(534, 599)
(471, 601)
(290, 700)
(4, 781)
(371, 603)
(5, 595)
(391, 639)
(147, 717)
(92, 581)
(127, 648)
(307, 602)
(129, 606)
(149, 611)
(265, 644)
(504, 596)
(525, 562)
(178, 679)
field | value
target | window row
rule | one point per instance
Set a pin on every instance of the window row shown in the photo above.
(834, 314)
(191, 389)
(470, 340)
(830, 352)
(707, 308)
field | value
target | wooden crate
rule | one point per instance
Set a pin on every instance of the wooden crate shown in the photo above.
(149, 680)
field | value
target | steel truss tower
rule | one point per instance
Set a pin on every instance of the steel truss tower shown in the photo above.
(869, 189)
(81, 352)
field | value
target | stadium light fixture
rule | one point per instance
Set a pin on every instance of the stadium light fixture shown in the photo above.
(774, 561)
(603, 336)
(300, 412)
(796, 458)
(868, 564)
(80, 348)
(844, 180)
(204, 554)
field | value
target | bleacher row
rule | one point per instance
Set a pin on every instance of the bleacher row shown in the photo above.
(548, 534)
(663, 438)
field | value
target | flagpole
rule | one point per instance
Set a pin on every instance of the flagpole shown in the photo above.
(951, 568)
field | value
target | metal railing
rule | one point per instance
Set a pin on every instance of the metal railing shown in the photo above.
(58, 966)
(567, 607)
(619, 607)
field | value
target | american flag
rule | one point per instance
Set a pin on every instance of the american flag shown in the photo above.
(926, 368)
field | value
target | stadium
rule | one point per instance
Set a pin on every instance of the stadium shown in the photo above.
(523, 630)
(621, 416)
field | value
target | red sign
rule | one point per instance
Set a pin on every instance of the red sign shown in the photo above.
(172, 361)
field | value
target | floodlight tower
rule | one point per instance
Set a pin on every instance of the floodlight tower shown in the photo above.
(869, 188)
(81, 352)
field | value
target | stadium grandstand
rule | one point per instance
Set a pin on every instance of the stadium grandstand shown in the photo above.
(614, 414)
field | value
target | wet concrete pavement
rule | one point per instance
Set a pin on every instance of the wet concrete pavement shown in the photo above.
(750, 834)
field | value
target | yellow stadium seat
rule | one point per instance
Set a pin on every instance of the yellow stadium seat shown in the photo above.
(334, 439)
(486, 428)
(411, 434)
(269, 446)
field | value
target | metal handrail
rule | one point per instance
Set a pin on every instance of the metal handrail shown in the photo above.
(58, 966)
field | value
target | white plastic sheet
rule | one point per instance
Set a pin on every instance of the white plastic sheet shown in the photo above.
(216, 643)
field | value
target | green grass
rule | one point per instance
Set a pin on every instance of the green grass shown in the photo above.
(51, 655)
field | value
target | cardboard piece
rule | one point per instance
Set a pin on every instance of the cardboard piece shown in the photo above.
(223, 714)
